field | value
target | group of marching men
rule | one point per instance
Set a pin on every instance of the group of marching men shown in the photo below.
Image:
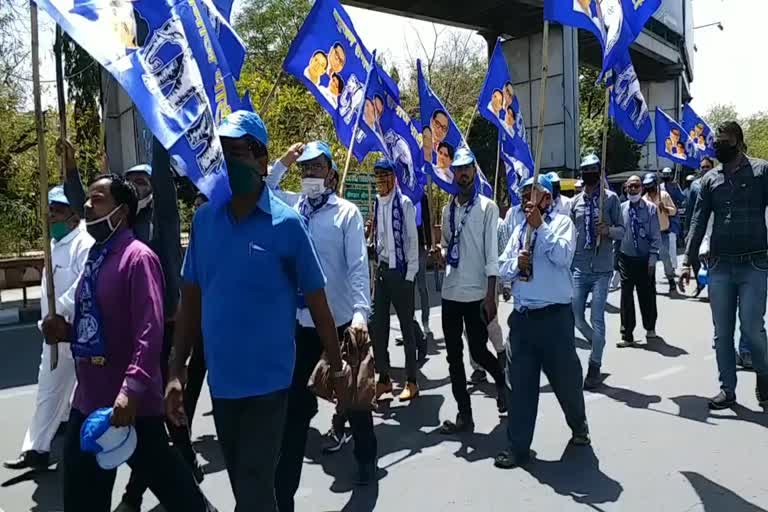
(272, 280)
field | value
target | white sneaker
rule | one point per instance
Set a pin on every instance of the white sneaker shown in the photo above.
(650, 334)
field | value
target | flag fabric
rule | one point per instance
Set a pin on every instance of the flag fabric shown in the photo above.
(701, 134)
(396, 135)
(615, 23)
(329, 58)
(218, 12)
(440, 140)
(627, 106)
(163, 55)
(673, 142)
(498, 103)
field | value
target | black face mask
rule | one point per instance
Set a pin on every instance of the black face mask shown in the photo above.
(725, 153)
(651, 190)
(590, 179)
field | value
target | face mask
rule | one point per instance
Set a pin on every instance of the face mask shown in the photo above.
(102, 229)
(651, 191)
(726, 153)
(590, 179)
(59, 230)
(634, 197)
(312, 187)
(143, 203)
(242, 179)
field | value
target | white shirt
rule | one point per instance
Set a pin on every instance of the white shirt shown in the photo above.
(385, 236)
(562, 205)
(338, 235)
(68, 257)
(552, 256)
(478, 250)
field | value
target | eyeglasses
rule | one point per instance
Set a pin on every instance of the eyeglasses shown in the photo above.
(634, 186)
(312, 167)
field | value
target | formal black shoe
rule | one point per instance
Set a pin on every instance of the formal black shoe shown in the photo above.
(478, 377)
(722, 401)
(30, 460)
(592, 379)
(366, 473)
(509, 460)
(761, 390)
(580, 439)
(463, 424)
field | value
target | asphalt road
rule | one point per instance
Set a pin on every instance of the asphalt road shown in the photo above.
(655, 444)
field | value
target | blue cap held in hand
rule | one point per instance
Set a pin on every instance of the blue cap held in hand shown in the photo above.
(112, 445)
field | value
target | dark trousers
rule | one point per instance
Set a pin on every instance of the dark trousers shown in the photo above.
(180, 436)
(634, 275)
(542, 340)
(302, 407)
(421, 285)
(196, 371)
(88, 488)
(457, 315)
(250, 431)
(392, 289)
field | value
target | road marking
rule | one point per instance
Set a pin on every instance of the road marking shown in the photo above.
(664, 373)
(17, 392)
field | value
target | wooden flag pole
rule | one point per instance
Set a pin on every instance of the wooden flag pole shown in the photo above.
(43, 166)
(469, 126)
(265, 105)
(603, 156)
(347, 162)
(62, 103)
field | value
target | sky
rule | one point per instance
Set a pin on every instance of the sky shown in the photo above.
(728, 68)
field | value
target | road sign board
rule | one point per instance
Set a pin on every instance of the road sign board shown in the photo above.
(361, 190)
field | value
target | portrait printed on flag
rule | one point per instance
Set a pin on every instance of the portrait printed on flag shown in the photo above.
(436, 149)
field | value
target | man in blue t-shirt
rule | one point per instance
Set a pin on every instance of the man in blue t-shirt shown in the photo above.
(249, 263)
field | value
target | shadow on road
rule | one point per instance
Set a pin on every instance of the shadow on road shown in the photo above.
(628, 397)
(661, 347)
(208, 447)
(715, 497)
(47, 494)
(577, 474)
(27, 345)
(744, 414)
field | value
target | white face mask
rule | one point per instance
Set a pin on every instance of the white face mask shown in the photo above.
(634, 197)
(143, 203)
(312, 187)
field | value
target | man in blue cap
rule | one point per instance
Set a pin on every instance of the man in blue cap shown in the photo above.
(338, 234)
(560, 203)
(248, 262)
(70, 243)
(666, 211)
(638, 253)
(470, 251)
(395, 243)
(593, 259)
(541, 335)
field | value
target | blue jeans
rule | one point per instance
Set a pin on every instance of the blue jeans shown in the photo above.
(596, 283)
(738, 286)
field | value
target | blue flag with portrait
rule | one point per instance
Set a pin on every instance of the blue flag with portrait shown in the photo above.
(498, 103)
(440, 140)
(164, 56)
(673, 142)
(628, 107)
(700, 133)
(329, 58)
(615, 23)
(385, 121)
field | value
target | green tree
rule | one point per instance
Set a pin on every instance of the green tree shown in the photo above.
(755, 127)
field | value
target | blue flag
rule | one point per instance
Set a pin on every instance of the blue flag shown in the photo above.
(441, 138)
(498, 103)
(385, 121)
(329, 58)
(673, 142)
(628, 107)
(615, 23)
(218, 12)
(163, 55)
(701, 134)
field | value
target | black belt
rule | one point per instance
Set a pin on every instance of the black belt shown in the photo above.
(552, 308)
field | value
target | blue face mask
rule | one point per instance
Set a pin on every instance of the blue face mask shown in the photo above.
(243, 179)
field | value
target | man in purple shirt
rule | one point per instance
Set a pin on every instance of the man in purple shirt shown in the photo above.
(116, 339)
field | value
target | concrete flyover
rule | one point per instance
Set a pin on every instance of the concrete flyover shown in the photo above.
(662, 55)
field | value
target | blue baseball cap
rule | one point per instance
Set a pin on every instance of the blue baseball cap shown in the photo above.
(544, 181)
(314, 149)
(112, 446)
(57, 195)
(384, 164)
(553, 177)
(590, 160)
(649, 179)
(241, 123)
(145, 168)
(462, 157)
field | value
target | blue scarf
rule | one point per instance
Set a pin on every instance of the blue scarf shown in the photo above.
(637, 230)
(398, 224)
(309, 206)
(453, 246)
(88, 339)
(591, 207)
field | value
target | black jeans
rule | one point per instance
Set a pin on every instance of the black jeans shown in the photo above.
(302, 407)
(392, 289)
(180, 436)
(88, 488)
(542, 340)
(457, 315)
(634, 275)
(250, 431)
(196, 371)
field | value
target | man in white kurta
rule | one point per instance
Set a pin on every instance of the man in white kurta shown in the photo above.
(70, 243)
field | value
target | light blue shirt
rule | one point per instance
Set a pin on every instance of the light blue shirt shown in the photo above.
(552, 256)
(250, 272)
(338, 235)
